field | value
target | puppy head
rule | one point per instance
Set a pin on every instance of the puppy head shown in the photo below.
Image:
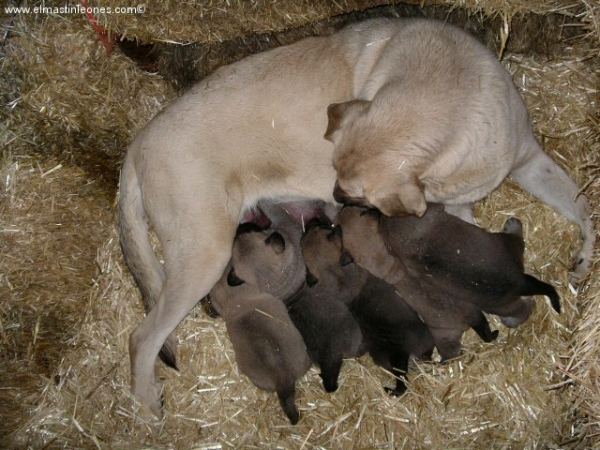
(327, 262)
(267, 260)
(364, 242)
(370, 172)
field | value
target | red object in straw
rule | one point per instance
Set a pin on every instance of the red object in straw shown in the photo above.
(106, 37)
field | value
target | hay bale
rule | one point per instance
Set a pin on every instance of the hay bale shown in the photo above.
(67, 302)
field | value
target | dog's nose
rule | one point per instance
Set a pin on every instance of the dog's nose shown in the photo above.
(339, 194)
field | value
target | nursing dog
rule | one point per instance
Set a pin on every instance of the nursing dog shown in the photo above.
(448, 270)
(421, 110)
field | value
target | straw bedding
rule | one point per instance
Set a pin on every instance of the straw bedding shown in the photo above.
(68, 304)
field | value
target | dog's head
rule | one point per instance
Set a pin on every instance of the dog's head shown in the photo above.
(329, 265)
(268, 260)
(370, 170)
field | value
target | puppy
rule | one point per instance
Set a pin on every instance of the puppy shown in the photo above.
(392, 331)
(254, 130)
(320, 309)
(268, 348)
(448, 270)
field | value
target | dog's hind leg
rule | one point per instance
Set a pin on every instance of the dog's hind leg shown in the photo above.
(463, 211)
(287, 400)
(447, 341)
(519, 313)
(330, 371)
(542, 177)
(193, 265)
(480, 324)
(399, 362)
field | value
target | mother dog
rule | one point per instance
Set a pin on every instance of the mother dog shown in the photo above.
(422, 111)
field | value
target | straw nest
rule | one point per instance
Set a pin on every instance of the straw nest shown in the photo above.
(67, 302)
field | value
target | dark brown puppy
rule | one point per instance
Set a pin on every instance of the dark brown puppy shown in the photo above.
(449, 271)
(268, 348)
(320, 309)
(392, 331)
(484, 268)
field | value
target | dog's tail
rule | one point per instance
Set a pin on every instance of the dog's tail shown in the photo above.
(147, 271)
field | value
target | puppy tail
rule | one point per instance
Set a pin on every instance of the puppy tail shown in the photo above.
(139, 256)
(533, 286)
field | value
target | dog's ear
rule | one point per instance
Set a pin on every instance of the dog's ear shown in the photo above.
(276, 241)
(372, 212)
(337, 111)
(407, 199)
(346, 258)
(233, 280)
(311, 280)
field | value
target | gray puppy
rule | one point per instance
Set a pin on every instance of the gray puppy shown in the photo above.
(268, 348)
(448, 270)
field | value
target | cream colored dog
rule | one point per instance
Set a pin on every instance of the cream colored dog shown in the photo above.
(437, 119)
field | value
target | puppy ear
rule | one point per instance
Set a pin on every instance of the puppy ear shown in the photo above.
(276, 241)
(336, 234)
(311, 280)
(317, 222)
(247, 227)
(233, 280)
(337, 111)
(346, 258)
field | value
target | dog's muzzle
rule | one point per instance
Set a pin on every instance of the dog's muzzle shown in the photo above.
(340, 196)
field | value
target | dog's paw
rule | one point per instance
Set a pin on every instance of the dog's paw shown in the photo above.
(580, 269)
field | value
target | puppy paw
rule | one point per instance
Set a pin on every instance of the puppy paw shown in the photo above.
(395, 392)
